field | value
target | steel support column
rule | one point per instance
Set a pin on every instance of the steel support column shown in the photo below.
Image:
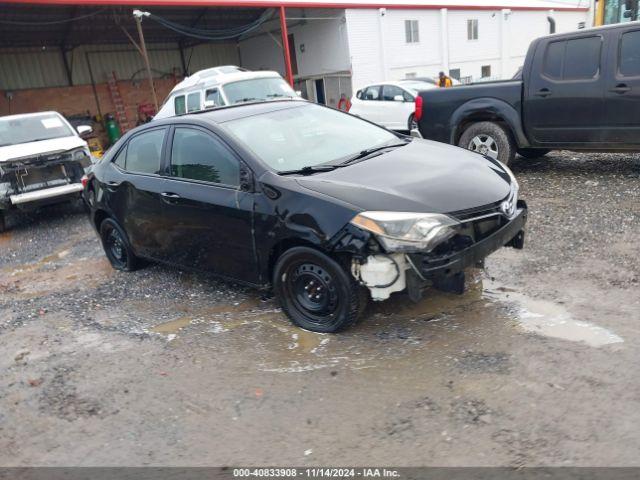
(285, 45)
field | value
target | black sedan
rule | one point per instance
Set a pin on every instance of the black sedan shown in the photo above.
(326, 209)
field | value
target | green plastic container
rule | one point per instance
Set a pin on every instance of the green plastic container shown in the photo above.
(112, 128)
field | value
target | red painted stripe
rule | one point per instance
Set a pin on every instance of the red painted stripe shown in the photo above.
(291, 4)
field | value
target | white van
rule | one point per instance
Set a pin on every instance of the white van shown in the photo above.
(219, 86)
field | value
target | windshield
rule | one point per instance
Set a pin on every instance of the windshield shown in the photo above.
(32, 128)
(258, 89)
(306, 136)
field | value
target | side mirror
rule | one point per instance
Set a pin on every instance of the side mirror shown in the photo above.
(209, 104)
(398, 98)
(84, 130)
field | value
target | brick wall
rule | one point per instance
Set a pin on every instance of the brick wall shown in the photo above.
(80, 99)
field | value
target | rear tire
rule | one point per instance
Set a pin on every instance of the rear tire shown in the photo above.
(116, 246)
(411, 123)
(491, 139)
(315, 292)
(533, 152)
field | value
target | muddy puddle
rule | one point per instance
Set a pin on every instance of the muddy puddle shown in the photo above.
(395, 330)
(549, 319)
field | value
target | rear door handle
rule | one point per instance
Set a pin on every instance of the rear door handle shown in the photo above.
(620, 88)
(543, 92)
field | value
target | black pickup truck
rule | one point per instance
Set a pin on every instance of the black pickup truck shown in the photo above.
(579, 91)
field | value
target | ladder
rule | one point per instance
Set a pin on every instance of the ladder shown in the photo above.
(118, 103)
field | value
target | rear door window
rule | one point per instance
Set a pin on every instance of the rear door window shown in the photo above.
(389, 92)
(193, 102)
(574, 59)
(144, 152)
(582, 58)
(629, 55)
(553, 59)
(179, 105)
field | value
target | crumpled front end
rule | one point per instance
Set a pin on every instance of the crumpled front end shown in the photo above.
(463, 241)
(43, 178)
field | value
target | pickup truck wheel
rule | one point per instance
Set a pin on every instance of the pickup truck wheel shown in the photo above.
(315, 292)
(490, 139)
(532, 152)
(116, 246)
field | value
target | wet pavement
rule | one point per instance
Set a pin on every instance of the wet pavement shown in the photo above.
(534, 365)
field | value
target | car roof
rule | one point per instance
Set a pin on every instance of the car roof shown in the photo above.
(32, 114)
(199, 80)
(232, 112)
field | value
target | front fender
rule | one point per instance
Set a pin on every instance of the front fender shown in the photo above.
(487, 108)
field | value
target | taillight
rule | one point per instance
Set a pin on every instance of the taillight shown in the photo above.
(84, 181)
(417, 114)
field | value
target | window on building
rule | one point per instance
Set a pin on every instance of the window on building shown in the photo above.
(455, 73)
(193, 102)
(412, 35)
(179, 105)
(143, 152)
(196, 155)
(629, 61)
(485, 71)
(472, 29)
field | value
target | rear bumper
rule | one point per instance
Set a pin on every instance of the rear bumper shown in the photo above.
(429, 267)
(45, 193)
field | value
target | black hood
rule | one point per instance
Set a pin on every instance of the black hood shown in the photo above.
(422, 176)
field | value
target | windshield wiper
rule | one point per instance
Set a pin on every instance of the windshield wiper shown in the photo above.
(365, 153)
(309, 169)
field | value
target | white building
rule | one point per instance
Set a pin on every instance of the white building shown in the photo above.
(336, 49)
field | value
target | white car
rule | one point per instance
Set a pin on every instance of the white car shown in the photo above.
(42, 160)
(219, 86)
(390, 104)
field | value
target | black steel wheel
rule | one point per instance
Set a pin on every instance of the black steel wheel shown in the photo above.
(316, 292)
(116, 246)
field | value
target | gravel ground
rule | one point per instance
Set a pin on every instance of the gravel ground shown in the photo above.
(534, 365)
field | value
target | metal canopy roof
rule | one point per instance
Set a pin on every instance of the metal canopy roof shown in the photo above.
(29, 25)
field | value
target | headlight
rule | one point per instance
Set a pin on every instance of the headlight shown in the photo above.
(406, 231)
(82, 155)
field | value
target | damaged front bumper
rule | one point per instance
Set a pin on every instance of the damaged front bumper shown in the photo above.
(384, 274)
(41, 179)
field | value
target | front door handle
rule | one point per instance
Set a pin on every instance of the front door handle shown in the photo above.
(170, 196)
(620, 88)
(543, 92)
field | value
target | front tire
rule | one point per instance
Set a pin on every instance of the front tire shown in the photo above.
(315, 292)
(116, 246)
(491, 139)
(532, 152)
